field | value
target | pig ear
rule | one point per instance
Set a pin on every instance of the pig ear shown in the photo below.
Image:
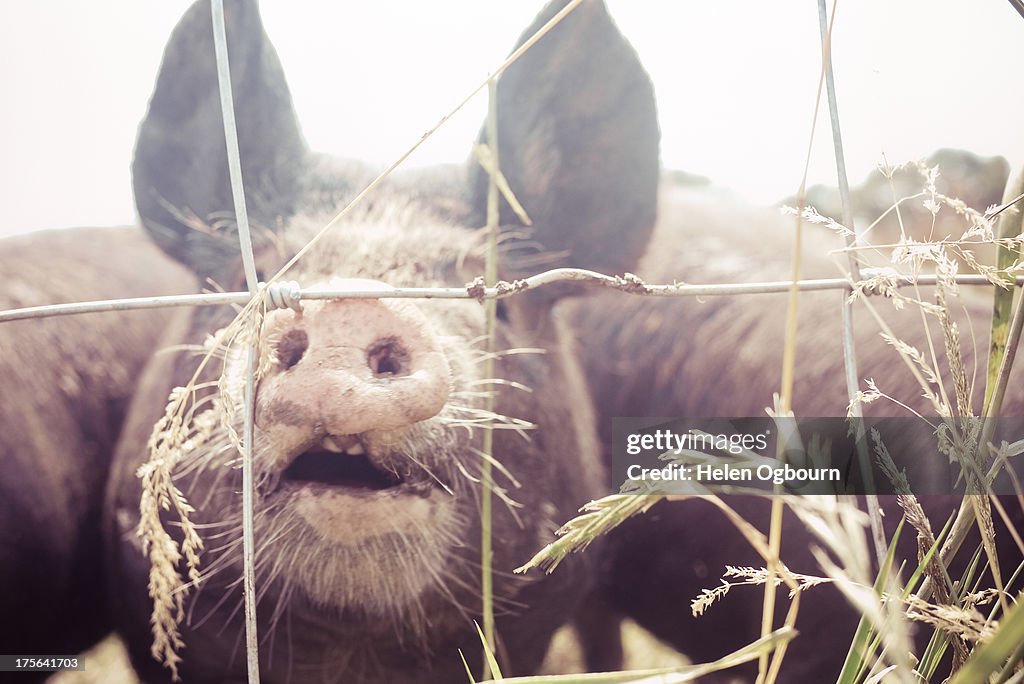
(180, 172)
(578, 142)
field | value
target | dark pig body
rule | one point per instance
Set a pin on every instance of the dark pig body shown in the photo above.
(721, 357)
(67, 382)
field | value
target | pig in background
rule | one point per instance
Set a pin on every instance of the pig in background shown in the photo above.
(366, 454)
(977, 181)
(722, 356)
(67, 383)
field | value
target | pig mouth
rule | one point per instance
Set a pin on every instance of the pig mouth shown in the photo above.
(344, 464)
(351, 494)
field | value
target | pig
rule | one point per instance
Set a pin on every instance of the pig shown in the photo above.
(67, 384)
(721, 357)
(977, 181)
(368, 413)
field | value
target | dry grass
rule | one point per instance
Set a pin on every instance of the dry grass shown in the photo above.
(840, 530)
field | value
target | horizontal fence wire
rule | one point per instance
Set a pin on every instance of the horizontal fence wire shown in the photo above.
(629, 284)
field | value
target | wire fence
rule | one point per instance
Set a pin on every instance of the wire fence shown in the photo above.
(288, 291)
(280, 293)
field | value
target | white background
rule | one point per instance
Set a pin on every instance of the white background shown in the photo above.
(736, 83)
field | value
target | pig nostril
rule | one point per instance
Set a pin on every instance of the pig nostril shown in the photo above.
(387, 357)
(291, 347)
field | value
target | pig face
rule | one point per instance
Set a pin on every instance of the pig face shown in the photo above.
(368, 413)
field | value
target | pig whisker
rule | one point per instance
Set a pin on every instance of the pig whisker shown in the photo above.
(197, 623)
(224, 525)
(480, 355)
(442, 580)
(473, 590)
(195, 464)
(502, 494)
(466, 394)
(488, 420)
(193, 349)
(272, 536)
(475, 341)
(221, 550)
(465, 473)
(224, 556)
(483, 417)
(510, 503)
(429, 472)
(228, 556)
(229, 552)
(499, 381)
(497, 464)
(280, 611)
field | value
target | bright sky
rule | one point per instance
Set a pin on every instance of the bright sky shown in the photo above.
(735, 82)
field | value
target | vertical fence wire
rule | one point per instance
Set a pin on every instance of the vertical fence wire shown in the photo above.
(825, 25)
(245, 239)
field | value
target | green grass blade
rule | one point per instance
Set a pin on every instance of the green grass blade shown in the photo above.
(492, 662)
(469, 672)
(865, 642)
(1010, 225)
(673, 675)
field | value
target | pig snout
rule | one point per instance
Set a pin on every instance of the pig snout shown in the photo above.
(345, 367)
